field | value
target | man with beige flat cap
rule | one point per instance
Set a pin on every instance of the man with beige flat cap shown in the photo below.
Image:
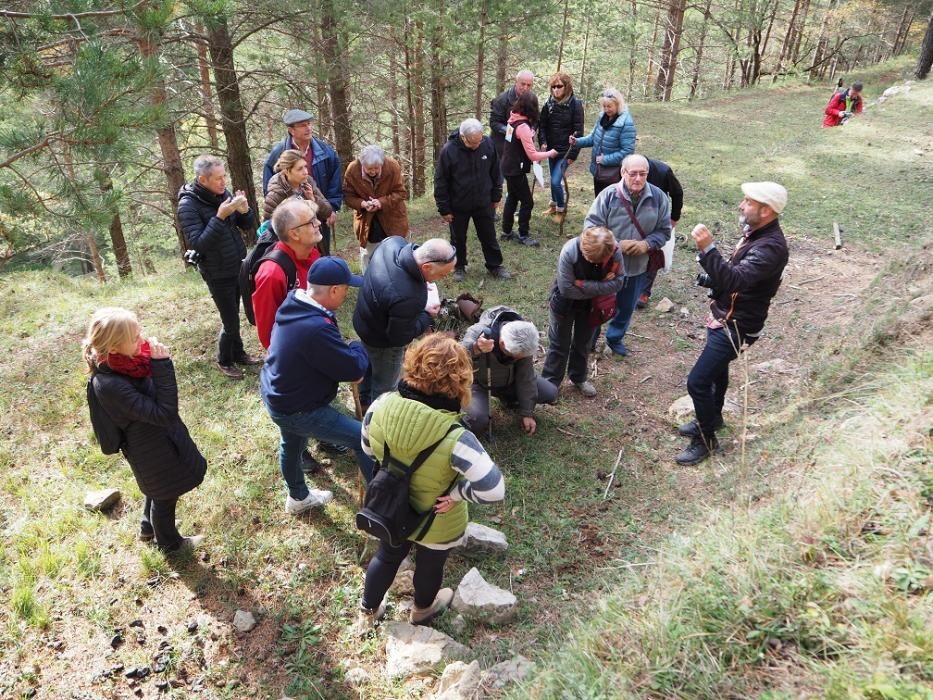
(740, 292)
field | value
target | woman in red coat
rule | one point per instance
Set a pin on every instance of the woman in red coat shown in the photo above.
(843, 105)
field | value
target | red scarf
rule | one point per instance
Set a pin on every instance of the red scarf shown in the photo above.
(136, 366)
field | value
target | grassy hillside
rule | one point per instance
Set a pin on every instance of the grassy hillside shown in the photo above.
(796, 564)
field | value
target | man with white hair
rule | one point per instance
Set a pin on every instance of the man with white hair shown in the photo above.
(373, 188)
(639, 215)
(740, 289)
(503, 348)
(392, 308)
(467, 186)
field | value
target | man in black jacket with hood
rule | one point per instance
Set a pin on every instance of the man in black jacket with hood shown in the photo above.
(467, 186)
(741, 289)
(210, 217)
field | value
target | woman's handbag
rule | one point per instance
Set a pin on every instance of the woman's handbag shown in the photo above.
(603, 307)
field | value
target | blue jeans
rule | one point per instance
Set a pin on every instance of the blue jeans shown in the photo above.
(626, 298)
(557, 168)
(385, 369)
(326, 424)
(709, 378)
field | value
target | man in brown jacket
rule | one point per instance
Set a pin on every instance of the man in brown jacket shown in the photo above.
(373, 189)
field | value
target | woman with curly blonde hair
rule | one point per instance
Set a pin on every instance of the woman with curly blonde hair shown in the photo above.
(422, 413)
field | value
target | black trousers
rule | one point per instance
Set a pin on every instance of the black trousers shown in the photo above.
(159, 518)
(569, 340)
(709, 378)
(324, 244)
(226, 295)
(485, 223)
(519, 196)
(429, 573)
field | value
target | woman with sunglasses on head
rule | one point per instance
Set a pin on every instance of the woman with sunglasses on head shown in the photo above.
(133, 390)
(612, 138)
(292, 179)
(561, 118)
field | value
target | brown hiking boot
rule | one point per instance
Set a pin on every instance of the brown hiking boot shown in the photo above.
(231, 371)
(423, 616)
(558, 216)
(551, 208)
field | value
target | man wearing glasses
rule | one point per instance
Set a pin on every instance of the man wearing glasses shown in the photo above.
(295, 223)
(639, 215)
(393, 309)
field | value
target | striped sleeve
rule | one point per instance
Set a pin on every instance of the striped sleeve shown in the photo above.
(482, 482)
(364, 431)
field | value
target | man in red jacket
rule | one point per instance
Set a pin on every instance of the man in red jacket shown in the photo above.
(843, 105)
(295, 223)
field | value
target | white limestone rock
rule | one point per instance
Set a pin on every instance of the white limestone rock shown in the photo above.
(480, 601)
(412, 649)
(102, 500)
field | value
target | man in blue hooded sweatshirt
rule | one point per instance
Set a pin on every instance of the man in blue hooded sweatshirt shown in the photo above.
(307, 360)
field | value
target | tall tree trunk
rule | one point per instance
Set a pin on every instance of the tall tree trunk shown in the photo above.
(652, 48)
(903, 29)
(798, 33)
(117, 239)
(632, 51)
(337, 73)
(481, 59)
(168, 140)
(325, 123)
(563, 34)
(926, 52)
(393, 97)
(698, 61)
(788, 41)
(764, 42)
(502, 58)
(207, 102)
(669, 52)
(819, 56)
(231, 112)
(410, 104)
(586, 46)
(95, 256)
(418, 164)
(438, 82)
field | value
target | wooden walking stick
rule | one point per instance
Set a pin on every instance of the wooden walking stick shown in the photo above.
(358, 406)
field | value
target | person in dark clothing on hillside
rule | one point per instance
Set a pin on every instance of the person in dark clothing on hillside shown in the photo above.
(843, 105)
(517, 156)
(323, 165)
(133, 383)
(741, 289)
(500, 107)
(467, 185)
(211, 218)
(561, 118)
(307, 360)
(392, 308)
(661, 175)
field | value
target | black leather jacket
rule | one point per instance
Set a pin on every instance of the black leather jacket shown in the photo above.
(218, 241)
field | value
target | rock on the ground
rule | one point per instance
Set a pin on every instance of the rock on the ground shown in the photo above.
(483, 540)
(356, 676)
(101, 500)
(244, 621)
(665, 306)
(776, 366)
(480, 601)
(681, 408)
(460, 681)
(895, 89)
(412, 649)
(515, 669)
(403, 585)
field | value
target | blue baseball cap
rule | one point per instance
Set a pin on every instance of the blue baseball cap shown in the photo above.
(332, 270)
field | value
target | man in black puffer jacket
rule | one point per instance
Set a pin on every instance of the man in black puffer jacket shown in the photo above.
(741, 289)
(393, 309)
(210, 217)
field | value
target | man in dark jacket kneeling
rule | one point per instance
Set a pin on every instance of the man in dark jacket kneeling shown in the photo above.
(741, 289)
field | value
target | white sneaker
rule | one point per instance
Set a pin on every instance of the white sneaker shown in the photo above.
(423, 616)
(315, 499)
(586, 388)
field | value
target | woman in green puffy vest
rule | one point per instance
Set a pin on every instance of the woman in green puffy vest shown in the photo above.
(435, 388)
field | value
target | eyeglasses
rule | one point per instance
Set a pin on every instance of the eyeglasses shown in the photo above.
(557, 87)
(637, 173)
(312, 222)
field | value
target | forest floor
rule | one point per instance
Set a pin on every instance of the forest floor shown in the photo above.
(71, 580)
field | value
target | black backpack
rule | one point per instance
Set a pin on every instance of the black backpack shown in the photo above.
(108, 434)
(263, 250)
(387, 513)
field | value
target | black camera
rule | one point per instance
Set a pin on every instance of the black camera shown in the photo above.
(704, 280)
(192, 257)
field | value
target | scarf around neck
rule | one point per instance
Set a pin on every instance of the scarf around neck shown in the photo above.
(137, 366)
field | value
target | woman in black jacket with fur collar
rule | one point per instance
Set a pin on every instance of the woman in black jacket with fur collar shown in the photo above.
(132, 391)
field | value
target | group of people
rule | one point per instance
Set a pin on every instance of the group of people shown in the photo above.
(425, 396)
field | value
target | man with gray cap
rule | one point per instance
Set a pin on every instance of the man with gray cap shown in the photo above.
(323, 164)
(740, 289)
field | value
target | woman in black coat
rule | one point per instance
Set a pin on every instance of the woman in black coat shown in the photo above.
(133, 394)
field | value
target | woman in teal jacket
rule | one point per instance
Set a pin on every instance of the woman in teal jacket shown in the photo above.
(612, 138)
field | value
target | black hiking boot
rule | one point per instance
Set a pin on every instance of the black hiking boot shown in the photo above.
(697, 451)
(692, 429)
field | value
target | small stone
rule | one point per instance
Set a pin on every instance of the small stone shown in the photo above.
(458, 624)
(162, 686)
(412, 649)
(136, 623)
(116, 640)
(162, 629)
(101, 500)
(192, 626)
(403, 585)
(776, 366)
(501, 674)
(681, 408)
(243, 621)
(480, 601)
(481, 539)
(140, 639)
(665, 306)
(684, 311)
(459, 681)
(356, 676)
